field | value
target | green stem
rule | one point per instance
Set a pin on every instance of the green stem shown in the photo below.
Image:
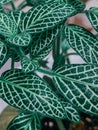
(47, 72)
(13, 6)
(20, 52)
(22, 5)
(70, 54)
(56, 49)
(70, 126)
(60, 124)
(12, 62)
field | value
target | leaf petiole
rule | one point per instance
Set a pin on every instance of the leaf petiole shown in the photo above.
(60, 124)
(12, 62)
(13, 6)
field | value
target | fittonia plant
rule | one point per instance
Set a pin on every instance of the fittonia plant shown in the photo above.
(28, 37)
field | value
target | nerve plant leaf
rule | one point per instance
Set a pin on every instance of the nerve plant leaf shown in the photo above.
(35, 2)
(72, 114)
(83, 42)
(7, 26)
(92, 15)
(3, 53)
(79, 5)
(4, 1)
(12, 50)
(79, 85)
(29, 65)
(25, 121)
(17, 17)
(43, 43)
(22, 40)
(46, 16)
(30, 93)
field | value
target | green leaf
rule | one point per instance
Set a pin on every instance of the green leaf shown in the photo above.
(35, 2)
(30, 93)
(17, 17)
(83, 42)
(29, 65)
(1, 9)
(43, 43)
(72, 114)
(7, 26)
(3, 53)
(92, 15)
(4, 1)
(25, 121)
(46, 16)
(79, 5)
(21, 40)
(12, 50)
(79, 85)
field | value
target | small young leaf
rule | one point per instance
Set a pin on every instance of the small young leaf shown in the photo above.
(72, 114)
(46, 16)
(83, 42)
(7, 26)
(79, 85)
(43, 43)
(22, 40)
(30, 93)
(25, 121)
(4, 1)
(3, 53)
(29, 65)
(92, 15)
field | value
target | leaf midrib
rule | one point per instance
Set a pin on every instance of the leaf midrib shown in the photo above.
(27, 90)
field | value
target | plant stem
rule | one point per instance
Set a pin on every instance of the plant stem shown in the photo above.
(60, 124)
(12, 62)
(13, 6)
(20, 52)
(56, 49)
(22, 5)
(70, 54)
(47, 72)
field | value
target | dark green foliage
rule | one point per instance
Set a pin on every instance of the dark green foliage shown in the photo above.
(28, 37)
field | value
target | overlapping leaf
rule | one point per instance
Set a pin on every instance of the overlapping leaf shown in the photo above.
(22, 40)
(29, 65)
(3, 53)
(46, 16)
(92, 15)
(12, 51)
(79, 5)
(29, 92)
(25, 121)
(35, 2)
(17, 17)
(43, 43)
(7, 26)
(72, 114)
(79, 85)
(83, 42)
(4, 1)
